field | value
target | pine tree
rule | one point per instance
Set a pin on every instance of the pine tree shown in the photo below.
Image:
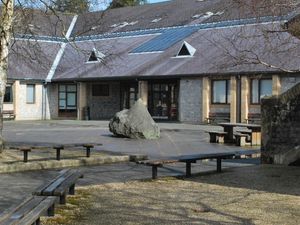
(72, 6)
(123, 3)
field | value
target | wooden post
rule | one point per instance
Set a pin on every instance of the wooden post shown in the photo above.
(72, 189)
(154, 172)
(219, 165)
(62, 199)
(51, 210)
(188, 170)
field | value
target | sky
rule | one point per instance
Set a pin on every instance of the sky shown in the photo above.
(98, 4)
(102, 4)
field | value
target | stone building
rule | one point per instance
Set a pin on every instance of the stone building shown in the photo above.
(189, 61)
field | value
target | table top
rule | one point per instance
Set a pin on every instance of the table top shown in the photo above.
(240, 125)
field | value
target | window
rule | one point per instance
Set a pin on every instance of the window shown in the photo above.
(8, 97)
(67, 97)
(260, 89)
(221, 91)
(96, 56)
(100, 90)
(30, 93)
(186, 50)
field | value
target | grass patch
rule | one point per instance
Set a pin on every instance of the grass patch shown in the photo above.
(72, 211)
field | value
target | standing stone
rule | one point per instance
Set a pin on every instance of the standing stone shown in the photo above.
(135, 122)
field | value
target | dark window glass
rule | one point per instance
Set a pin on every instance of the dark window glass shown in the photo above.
(8, 97)
(100, 90)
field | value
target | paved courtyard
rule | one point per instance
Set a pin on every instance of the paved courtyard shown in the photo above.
(176, 138)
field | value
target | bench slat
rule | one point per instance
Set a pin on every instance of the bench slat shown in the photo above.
(205, 156)
(43, 206)
(67, 183)
(17, 215)
(40, 189)
(7, 213)
(50, 190)
(157, 162)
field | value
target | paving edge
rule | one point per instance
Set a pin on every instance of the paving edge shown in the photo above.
(53, 164)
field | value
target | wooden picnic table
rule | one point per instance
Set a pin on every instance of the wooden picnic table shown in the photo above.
(255, 132)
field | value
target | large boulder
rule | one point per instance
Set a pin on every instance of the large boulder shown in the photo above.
(135, 122)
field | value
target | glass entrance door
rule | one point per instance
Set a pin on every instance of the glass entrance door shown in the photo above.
(163, 101)
(129, 93)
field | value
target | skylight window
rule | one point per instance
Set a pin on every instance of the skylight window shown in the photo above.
(96, 56)
(186, 50)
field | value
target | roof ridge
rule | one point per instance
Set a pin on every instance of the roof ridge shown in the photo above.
(152, 31)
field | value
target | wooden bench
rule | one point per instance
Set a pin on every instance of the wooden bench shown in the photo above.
(88, 149)
(241, 139)
(62, 185)
(214, 118)
(246, 154)
(216, 136)
(25, 151)
(188, 160)
(8, 114)
(254, 118)
(29, 211)
(157, 163)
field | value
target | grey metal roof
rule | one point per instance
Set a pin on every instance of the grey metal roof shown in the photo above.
(177, 13)
(31, 60)
(41, 23)
(219, 51)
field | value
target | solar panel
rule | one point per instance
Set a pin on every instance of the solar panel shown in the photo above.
(165, 40)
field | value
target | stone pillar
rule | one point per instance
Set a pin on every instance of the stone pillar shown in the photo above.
(16, 92)
(143, 91)
(276, 85)
(245, 95)
(82, 100)
(206, 98)
(233, 100)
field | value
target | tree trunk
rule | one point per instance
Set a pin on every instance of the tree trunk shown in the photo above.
(5, 38)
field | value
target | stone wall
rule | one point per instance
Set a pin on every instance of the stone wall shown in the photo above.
(281, 128)
(288, 82)
(104, 107)
(24, 110)
(52, 103)
(190, 100)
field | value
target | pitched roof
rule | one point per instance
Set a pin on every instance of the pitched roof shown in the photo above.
(41, 23)
(177, 13)
(124, 47)
(31, 59)
(219, 51)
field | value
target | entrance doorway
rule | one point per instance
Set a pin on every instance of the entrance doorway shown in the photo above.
(163, 100)
(67, 98)
(129, 94)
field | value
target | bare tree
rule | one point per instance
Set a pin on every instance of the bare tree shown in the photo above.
(5, 40)
(269, 42)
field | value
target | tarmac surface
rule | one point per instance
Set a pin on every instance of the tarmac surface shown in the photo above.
(176, 139)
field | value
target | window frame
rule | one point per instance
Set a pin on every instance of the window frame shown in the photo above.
(259, 90)
(227, 100)
(34, 94)
(66, 92)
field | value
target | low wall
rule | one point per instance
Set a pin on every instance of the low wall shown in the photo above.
(281, 128)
